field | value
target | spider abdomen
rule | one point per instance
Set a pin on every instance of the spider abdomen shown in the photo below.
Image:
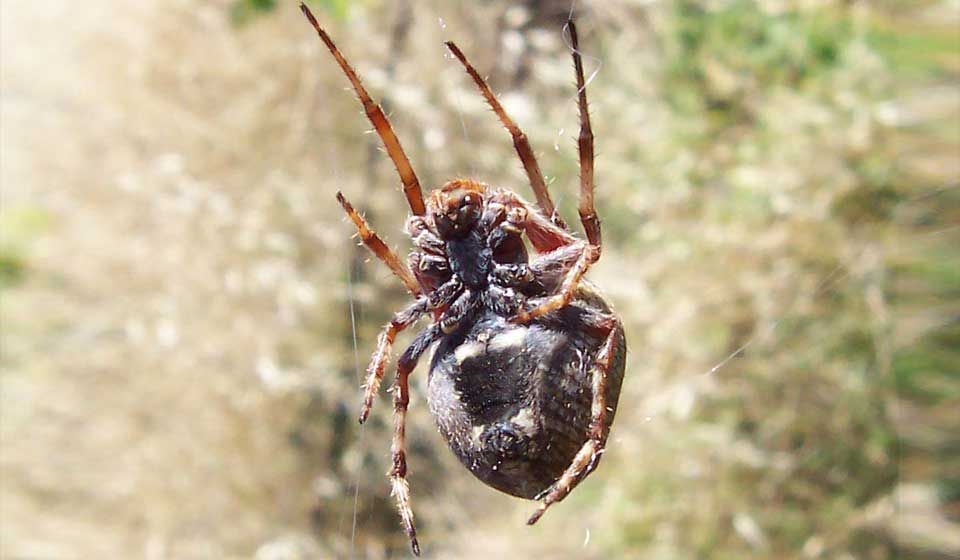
(514, 401)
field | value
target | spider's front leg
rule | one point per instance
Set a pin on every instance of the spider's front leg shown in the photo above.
(587, 459)
(402, 320)
(450, 319)
(378, 247)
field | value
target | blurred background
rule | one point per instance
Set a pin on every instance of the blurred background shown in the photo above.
(186, 316)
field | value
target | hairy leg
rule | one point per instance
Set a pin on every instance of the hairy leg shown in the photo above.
(399, 487)
(587, 459)
(450, 319)
(451, 291)
(379, 248)
(588, 213)
(400, 321)
(411, 185)
(561, 256)
(545, 272)
(520, 141)
(588, 254)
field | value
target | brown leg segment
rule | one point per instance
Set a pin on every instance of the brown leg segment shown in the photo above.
(588, 213)
(401, 399)
(587, 459)
(520, 140)
(400, 322)
(399, 487)
(568, 289)
(379, 248)
(411, 185)
(545, 238)
(441, 298)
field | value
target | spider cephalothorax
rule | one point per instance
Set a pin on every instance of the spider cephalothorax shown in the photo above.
(526, 377)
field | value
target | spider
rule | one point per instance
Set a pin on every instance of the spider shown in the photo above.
(526, 376)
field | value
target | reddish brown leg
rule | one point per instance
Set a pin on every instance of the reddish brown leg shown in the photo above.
(588, 213)
(400, 489)
(587, 459)
(568, 289)
(411, 185)
(400, 321)
(520, 140)
(441, 298)
(587, 210)
(379, 248)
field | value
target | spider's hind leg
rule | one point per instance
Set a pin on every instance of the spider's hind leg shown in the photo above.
(399, 487)
(587, 459)
(459, 310)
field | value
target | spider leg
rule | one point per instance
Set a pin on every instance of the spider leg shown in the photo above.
(512, 275)
(520, 141)
(450, 319)
(587, 459)
(587, 211)
(411, 185)
(402, 320)
(550, 269)
(431, 270)
(379, 248)
(399, 487)
(588, 254)
(563, 255)
(453, 317)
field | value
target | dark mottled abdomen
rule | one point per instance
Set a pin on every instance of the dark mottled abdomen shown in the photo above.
(513, 402)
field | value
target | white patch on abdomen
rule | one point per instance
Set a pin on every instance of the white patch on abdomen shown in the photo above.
(512, 338)
(524, 421)
(467, 350)
(475, 436)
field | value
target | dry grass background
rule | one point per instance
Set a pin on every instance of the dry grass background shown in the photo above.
(179, 368)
